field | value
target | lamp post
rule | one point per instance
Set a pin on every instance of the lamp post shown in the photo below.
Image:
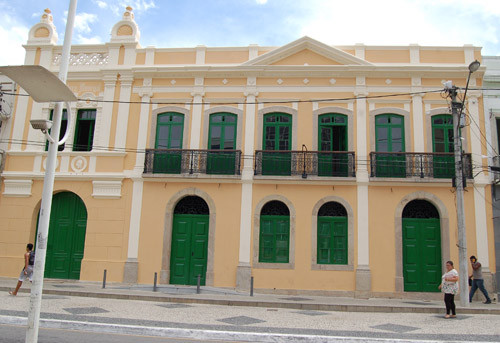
(43, 86)
(456, 110)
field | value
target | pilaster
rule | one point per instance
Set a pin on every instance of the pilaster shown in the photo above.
(146, 94)
(197, 94)
(418, 116)
(244, 270)
(363, 274)
(104, 121)
(123, 111)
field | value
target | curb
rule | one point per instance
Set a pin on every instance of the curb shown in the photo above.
(231, 336)
(268, 304)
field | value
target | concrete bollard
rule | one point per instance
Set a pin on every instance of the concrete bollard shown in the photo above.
(198, 281)
(104, 279)
(156, 279)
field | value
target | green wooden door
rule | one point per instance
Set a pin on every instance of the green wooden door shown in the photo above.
(168, 157)
(66, 241)
(442, 142)
(332, 137)
(188, 257)
(332, 240)
(277, 127)
(421, 254)
(222, 136)
(389, 136)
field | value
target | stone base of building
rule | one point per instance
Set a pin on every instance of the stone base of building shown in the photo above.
(164, 276)
(243, 276)
(131, 271)
(363, 283)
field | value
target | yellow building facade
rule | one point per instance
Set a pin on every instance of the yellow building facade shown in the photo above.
(311, 168)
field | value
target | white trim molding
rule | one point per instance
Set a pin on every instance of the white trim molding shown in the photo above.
(17, 188)
(106, 189)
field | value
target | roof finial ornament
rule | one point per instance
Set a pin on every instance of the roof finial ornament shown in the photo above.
(128, 15)
(46, 17)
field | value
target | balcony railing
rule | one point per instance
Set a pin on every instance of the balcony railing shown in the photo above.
(187, 161)
(414, 164)
(304, 163)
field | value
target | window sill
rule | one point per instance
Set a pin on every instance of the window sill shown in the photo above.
(333, 267)
(263, 265)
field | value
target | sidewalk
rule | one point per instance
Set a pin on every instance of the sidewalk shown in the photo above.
(220, 296)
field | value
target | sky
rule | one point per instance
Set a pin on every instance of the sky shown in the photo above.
(187, 23)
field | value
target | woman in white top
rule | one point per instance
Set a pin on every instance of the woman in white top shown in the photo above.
(449, 286)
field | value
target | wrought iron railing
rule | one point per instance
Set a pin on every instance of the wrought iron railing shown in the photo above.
(414, 164)
(304, 163)
(188, 161)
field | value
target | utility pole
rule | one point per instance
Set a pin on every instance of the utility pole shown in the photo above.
(456, 110)
(459, 187)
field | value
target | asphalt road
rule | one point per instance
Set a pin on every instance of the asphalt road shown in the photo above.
(16, 334)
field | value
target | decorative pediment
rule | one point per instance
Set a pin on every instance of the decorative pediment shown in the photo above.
(306, 51)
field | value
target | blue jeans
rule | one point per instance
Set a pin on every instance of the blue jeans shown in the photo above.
(478, 283)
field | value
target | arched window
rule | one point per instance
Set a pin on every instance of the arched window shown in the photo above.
(191, 205)
(274, 240)
(389, 139)
(420, 209)
(169, 128)
(332, 234)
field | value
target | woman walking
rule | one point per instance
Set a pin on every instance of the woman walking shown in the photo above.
(449, 286)
(27, 272)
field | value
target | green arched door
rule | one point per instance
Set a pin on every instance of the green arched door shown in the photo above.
(421, 247)
(66, 242)
(189, 250)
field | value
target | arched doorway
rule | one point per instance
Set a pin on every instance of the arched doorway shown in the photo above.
(421, 247)
(66, 241)
(189, 249)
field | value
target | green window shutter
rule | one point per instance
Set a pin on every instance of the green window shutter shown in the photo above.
(390, 137)
(332, 136)
(442, 142)
(222, 136)
(324, 241)
(169, 134)
(332, 240)
(277, 136)
(274, 240)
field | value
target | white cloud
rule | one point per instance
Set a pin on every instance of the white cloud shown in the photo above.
(143, 5)
(261, 2)
(88, 40)
(83, 21)
(12, 35)
(101, 4)
(401, 22)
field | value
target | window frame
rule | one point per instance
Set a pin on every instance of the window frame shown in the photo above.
(170, 124)
(90, 139)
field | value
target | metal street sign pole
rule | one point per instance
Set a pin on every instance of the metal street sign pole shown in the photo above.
(48, 187)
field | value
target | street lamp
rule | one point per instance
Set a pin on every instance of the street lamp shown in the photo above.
(43, 86)
(456, 110)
